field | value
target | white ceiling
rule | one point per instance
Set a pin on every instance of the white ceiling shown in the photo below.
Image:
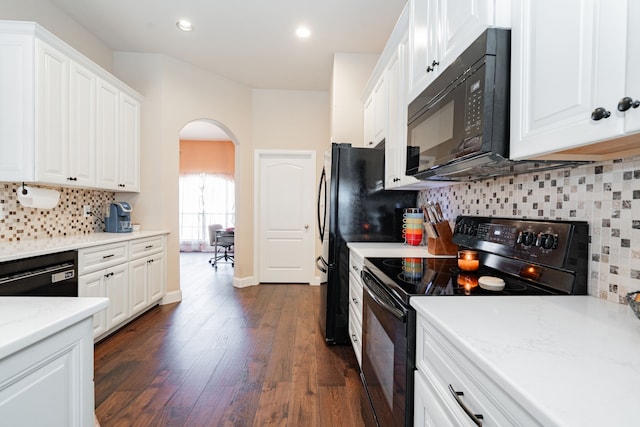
(249, 41)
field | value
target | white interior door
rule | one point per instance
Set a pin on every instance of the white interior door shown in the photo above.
(285, 216)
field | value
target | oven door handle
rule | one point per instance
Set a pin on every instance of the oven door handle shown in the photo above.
(374, 291)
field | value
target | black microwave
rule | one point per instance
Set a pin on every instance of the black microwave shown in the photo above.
(460, 123)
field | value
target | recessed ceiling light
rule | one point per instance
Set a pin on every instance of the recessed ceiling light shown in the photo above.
(303, 32)
(184, 25)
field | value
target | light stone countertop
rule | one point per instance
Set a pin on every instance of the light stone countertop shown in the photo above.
(569, 360)
(392, 250)
(27, 320)
(28, 248)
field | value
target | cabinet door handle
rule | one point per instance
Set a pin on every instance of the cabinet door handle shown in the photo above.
(148, 247)
(599, 114)
(476, 418)
(627, 103)
(354, 338)
(108, 256)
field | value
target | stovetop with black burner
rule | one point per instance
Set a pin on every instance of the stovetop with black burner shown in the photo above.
(533, 257)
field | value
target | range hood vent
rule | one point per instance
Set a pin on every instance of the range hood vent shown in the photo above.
(489, 165)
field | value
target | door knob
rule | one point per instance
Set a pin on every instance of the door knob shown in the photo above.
(626, 103)
(600, 113)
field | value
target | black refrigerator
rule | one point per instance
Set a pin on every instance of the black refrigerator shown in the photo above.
(353, 206)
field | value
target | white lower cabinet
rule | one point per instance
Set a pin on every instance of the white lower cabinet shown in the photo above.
(56, 374)
(112, 283)
(146, 277)
(133, 284)
(451, 390)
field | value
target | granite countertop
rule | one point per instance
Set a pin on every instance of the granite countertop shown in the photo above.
(569, 360)
(28, 248)
(27, 320)
(395, 250)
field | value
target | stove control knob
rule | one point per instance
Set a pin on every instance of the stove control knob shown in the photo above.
(539, 239)
(520, 237)
(549, 241)
(528, 238)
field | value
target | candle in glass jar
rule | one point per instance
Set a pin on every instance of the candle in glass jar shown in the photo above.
(468, 260)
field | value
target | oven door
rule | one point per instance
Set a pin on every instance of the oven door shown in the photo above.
(387, 354)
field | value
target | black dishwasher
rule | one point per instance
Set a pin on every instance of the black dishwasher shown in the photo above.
(45, 275)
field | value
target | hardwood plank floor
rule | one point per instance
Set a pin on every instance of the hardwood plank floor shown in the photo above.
(227, 357)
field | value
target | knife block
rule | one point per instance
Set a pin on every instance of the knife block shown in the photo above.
(442, 245)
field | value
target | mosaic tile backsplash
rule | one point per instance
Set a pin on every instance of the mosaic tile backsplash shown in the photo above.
(20, 223)
(606, 194)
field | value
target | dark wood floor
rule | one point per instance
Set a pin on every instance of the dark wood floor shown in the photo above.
(227, 357)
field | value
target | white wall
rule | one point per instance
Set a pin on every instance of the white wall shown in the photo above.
(175, 94)
(350, 75)
(292, 120)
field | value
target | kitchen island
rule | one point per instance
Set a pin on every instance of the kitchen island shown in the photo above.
(46, 360)
(530, 360)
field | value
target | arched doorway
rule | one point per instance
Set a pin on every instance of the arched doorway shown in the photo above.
(206, 182)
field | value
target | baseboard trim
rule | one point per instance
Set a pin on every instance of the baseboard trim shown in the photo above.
(244, 282)
(171, 297)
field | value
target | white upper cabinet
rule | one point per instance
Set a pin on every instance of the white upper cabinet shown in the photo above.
(572, 63)
(375, 114)
(108, 137)
(129, 143)
(82, 130)
(395, 161)
(440, 30)
(118, 130)
(17, 107)
(52, 108)
(632, 84)
(52, 114)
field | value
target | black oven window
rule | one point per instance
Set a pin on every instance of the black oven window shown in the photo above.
(380, 351)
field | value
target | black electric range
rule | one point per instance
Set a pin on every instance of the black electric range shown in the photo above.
(530, 257)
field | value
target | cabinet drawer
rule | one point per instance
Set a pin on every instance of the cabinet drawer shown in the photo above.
(143, 247)
(98, 257)
(355, 295)
(355, 334)
(446, 366)
(356, 263)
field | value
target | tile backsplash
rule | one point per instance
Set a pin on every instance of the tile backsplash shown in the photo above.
(606, 194)
(66, 218)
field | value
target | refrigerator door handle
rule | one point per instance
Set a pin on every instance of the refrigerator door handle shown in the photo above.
(322, 220)
(322, 265)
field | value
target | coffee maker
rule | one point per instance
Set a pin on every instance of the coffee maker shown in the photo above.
(118, 218)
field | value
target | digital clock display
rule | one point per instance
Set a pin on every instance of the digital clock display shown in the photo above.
(497, 233)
